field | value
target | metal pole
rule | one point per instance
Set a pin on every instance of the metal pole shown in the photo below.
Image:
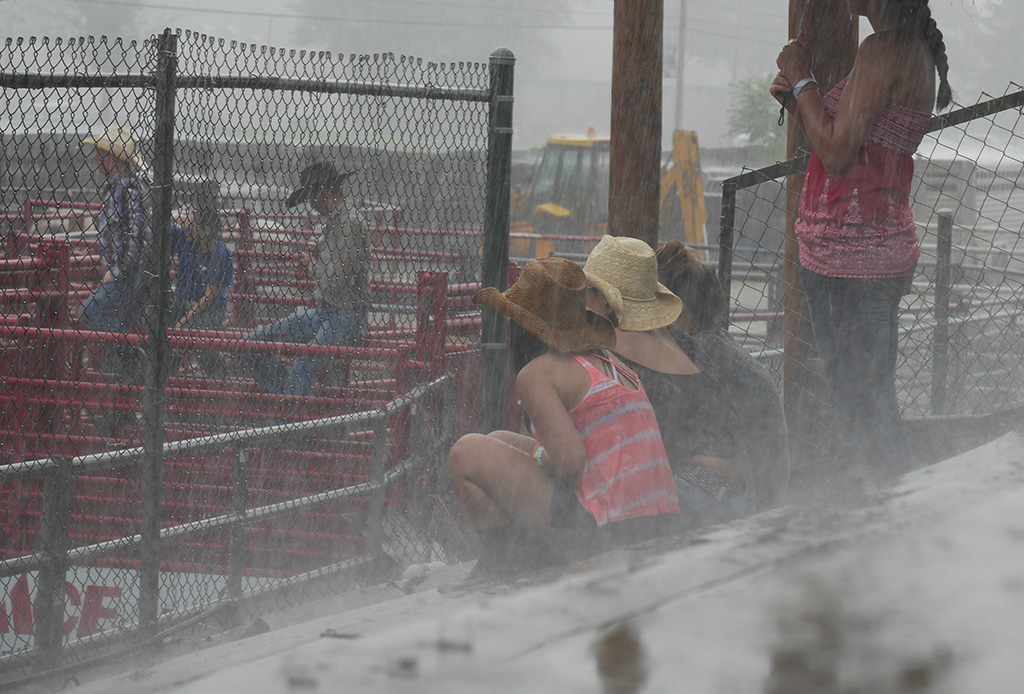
(727, 241)
(374, 534)
(940, 340)
(495, 261)
(54, 540)
(239, 503)
(159, 281)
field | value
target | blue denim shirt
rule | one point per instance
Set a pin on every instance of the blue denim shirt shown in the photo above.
(125, 224)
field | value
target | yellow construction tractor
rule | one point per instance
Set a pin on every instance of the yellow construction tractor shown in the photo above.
(563, 207)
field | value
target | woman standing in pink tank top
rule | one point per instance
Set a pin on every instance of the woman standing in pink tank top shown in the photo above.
(857, 239)
(595, 464)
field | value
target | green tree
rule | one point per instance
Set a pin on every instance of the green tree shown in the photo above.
(754, 119)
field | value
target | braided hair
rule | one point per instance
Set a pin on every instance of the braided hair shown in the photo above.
(914, 17)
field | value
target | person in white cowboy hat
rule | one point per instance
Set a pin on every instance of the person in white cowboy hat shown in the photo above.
(594, 466)
(340, 264)
(697, 426)
(125, 232)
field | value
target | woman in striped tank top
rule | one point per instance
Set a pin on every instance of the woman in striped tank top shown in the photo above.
(595, 459)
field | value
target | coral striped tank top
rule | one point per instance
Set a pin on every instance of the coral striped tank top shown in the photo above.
(627, 474)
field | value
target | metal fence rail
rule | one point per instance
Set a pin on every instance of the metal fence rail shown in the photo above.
(146, 472)
(962, 335)
(56, 555)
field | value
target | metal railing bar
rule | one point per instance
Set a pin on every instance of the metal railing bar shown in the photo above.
(78, 555)
(38, 81)
(206, 82)
(328, 87)
(982, 110)
(958, 117)
(33, 468)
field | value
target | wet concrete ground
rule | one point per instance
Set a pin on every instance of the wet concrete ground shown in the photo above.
(917, 588)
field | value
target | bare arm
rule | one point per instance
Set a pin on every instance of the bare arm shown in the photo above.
(838, 141)
(208, 297)
(541, 385)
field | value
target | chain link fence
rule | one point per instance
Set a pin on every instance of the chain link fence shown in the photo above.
(961, 341)
(184, 434)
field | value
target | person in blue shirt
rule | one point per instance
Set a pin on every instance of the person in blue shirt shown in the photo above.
(204, 275)
(124, 233)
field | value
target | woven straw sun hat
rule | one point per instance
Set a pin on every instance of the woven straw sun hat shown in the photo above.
(117, 141)
(550, 300)
(625, 270)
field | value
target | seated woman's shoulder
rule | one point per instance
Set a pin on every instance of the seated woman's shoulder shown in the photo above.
(544, 365)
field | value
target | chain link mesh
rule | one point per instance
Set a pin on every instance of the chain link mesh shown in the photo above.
(341, 480)
(966, 360)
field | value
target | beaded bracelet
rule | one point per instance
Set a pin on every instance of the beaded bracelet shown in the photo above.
(538, 451)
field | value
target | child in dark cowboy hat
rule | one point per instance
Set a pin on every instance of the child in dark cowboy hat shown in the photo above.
(595, 458)
(340, 264)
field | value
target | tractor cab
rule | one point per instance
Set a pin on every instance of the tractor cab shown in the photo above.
(567, 197)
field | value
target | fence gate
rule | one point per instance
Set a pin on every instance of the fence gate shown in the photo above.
(157, 468)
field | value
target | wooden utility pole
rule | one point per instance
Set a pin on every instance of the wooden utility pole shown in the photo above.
(635, 163)
(832, 34)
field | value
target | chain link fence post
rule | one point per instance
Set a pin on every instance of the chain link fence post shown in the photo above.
(239, 505)
(494, 384)
(54, 540)
(940, 339)
(374, 534)
(158, 270)
(726, 240)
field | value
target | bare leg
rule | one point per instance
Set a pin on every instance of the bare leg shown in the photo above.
(520, 441)
(498, 481)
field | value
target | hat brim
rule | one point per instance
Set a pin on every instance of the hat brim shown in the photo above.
(304, 193)
(597, 333)
(102, 143)
(640, 316)
(610, 291)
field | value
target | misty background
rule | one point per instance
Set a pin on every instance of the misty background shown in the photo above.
(563, 47)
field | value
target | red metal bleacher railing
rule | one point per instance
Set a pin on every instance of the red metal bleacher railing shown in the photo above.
(60, 396)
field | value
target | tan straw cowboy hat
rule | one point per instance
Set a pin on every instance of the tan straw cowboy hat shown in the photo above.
(118, 141)
(550, 300)
(625, 270)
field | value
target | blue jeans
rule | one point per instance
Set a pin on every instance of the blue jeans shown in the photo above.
(113, 307)
(856, 328)
(314, 326)
(211, 362)
(700, 508)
